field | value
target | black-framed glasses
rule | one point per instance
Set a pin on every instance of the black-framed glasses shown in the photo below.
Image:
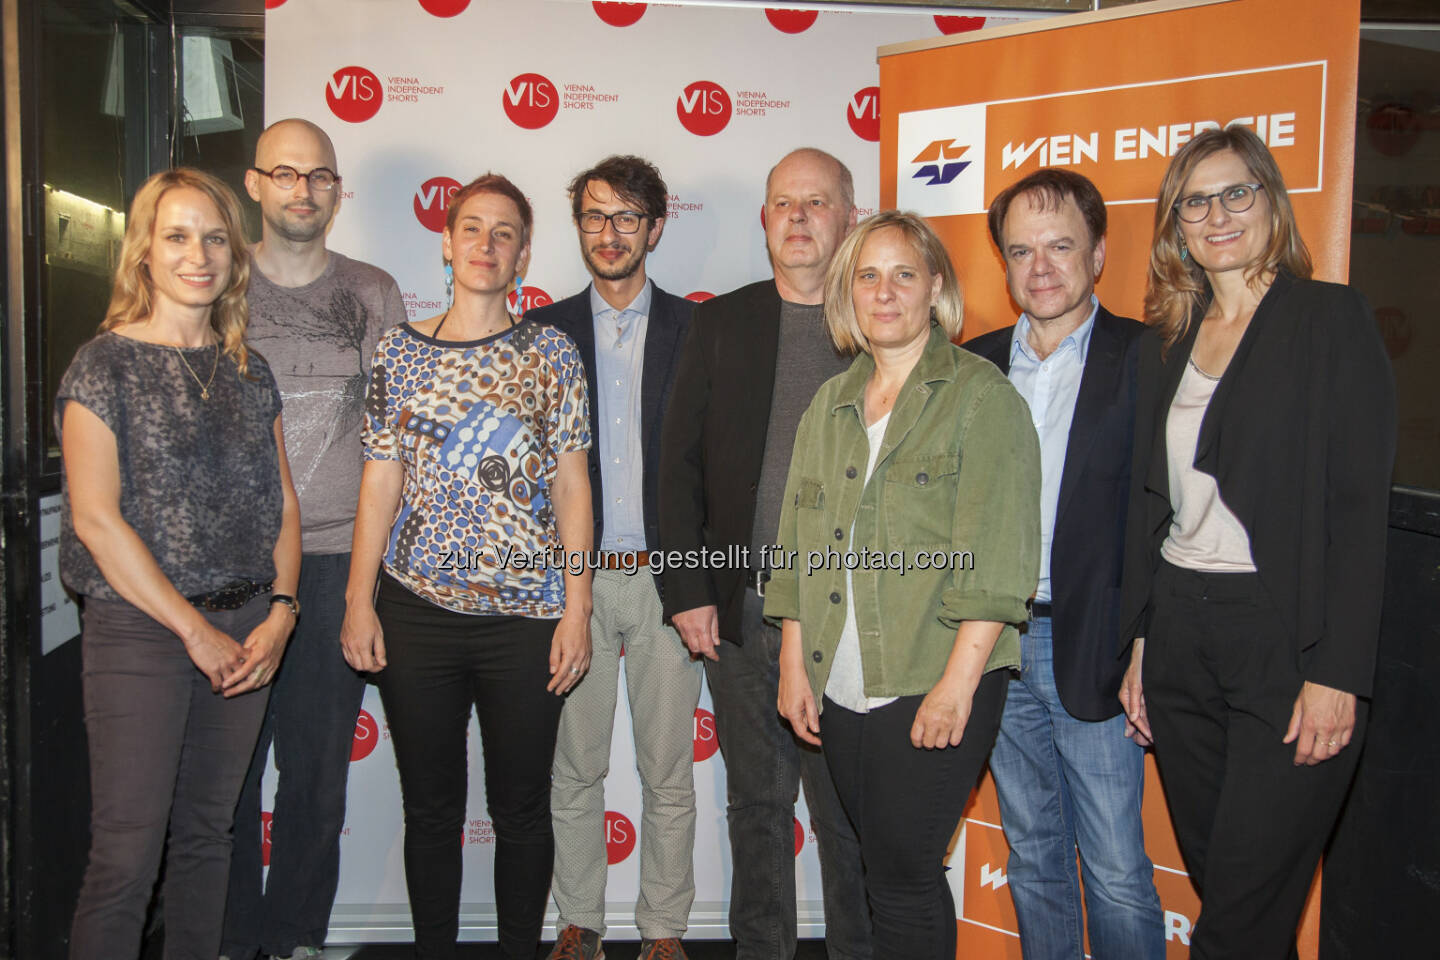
(1236, 198)
(625, 221)
(321, 178)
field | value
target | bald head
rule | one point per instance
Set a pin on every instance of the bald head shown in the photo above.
(286, 140)
(809, 156)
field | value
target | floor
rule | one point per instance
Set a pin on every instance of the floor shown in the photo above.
(614, 950)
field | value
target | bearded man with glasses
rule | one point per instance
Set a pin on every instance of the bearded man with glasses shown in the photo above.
(629, 332)
(316, 316)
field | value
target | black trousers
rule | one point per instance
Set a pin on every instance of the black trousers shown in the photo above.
(441, 664)
(905, 804)
(1220, 681)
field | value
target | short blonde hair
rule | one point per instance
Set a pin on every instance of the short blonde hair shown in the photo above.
(1177, 288)
(133, 292)
(949, 309)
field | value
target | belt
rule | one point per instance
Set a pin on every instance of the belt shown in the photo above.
(756, 580)
(232, 596)
(1037, 609)
(623, 560)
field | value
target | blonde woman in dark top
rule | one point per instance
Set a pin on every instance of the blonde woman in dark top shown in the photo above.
(1258, 540)
(182, 535)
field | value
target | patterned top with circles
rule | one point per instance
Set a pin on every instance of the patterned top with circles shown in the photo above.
(479, 427)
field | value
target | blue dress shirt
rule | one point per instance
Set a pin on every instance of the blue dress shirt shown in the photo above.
(1050, 387)
(619, 364)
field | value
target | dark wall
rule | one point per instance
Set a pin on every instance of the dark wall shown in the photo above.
(1382, 875)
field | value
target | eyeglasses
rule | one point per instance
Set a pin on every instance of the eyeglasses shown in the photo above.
(626, 221)
(321, 178)
(1236, 199)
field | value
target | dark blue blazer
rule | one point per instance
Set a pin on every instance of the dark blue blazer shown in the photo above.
(664, 333)
(1088, 550)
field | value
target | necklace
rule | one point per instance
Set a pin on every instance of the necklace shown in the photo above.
(204, 387)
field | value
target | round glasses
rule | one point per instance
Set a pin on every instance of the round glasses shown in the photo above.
(321, 178)
(1236, 199)
(626, 221)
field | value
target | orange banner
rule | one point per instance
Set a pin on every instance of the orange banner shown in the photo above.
(1112, 95)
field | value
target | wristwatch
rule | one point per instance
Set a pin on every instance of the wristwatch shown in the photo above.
(288, 600)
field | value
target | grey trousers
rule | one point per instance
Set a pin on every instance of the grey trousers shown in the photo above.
(165, 754)
(664, 688)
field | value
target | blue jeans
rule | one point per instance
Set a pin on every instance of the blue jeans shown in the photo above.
(311, 720)
(1064, 783)
(764, 767)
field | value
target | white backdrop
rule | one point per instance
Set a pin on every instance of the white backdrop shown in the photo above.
(422, 95)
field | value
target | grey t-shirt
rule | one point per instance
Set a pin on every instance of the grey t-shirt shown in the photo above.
(806, 358)
(319, 339)
(199, 479)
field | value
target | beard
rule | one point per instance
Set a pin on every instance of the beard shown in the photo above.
(297, 231)
(619, 270)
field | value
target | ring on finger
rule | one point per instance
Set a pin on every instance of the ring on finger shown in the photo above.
(575, 671)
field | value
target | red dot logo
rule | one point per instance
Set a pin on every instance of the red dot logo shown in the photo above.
(703, 108)
(367, 734)
(444, 8)
(949, 24)
(619, 837)
(530, 101)
(791, 21)
(799, 836)
(706, 741)
(534, 297)
(266, 818)
(700, 296)
(619, 14)
(354, 94)
(272, 4)
(863, 113)
(432, 202)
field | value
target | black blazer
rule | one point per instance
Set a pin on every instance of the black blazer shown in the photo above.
(1300, 438)
(713, 444)
(664, 333)
(1087, 552)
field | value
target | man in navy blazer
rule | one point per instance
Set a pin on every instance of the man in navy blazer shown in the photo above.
(629, 333)
(1065, 773)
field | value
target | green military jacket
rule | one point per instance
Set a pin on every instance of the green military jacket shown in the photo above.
(946, 529)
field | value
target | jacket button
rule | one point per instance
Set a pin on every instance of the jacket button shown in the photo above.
(850, 473)
(922, 478)
(817, 656)
(834, 598)
(839, 534)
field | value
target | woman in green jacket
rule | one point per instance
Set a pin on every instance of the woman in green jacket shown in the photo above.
(908, 545)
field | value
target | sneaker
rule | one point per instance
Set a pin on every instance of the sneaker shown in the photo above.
(667, 948)
(577, 943)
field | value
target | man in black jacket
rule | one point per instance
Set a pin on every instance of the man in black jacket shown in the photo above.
(751, 364)
(629, 333)
(1064, 771)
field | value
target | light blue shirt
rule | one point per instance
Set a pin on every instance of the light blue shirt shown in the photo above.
(1050, 387)
(619, 363)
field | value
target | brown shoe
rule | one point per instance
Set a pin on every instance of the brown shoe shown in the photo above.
(577, 943)
(666, 949)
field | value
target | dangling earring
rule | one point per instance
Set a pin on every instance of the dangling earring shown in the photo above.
(1184, 251)
(449, 285)
(519, 295)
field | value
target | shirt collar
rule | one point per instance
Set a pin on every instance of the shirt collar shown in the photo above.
(639, 307)
(1079, 337)
(935, 365)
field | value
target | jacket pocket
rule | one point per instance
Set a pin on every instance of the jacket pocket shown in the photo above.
(920, 500)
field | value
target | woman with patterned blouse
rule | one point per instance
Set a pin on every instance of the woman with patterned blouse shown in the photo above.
(475, 516)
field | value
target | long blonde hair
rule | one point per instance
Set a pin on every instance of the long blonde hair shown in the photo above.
(949, 309)
(132, 295)
(1177, 288)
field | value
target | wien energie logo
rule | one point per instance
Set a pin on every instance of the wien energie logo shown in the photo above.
(940, 162)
